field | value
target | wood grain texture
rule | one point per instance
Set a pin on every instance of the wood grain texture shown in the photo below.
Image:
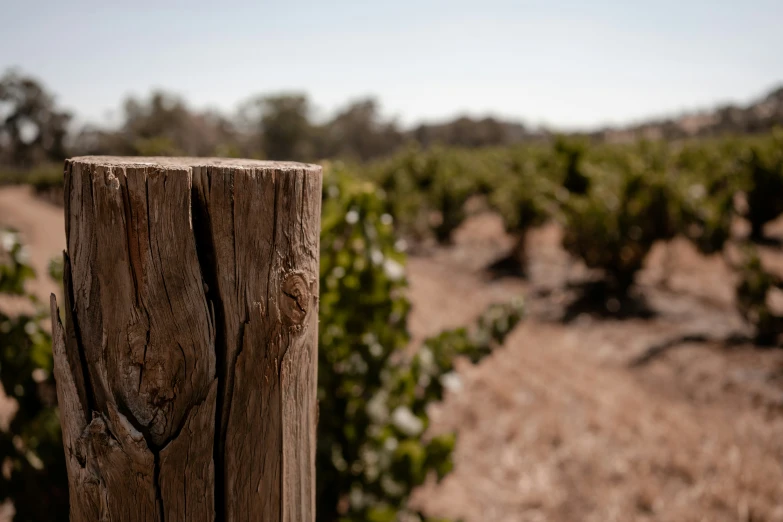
(187, 367)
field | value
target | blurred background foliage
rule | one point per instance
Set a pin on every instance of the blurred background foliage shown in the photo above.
(386, 189)
(33, 466)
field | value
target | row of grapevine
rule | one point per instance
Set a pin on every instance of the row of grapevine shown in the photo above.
(613, 200)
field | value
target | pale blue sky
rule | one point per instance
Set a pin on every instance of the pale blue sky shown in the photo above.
(563, 63)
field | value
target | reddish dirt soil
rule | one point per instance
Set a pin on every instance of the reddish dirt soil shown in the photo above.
(42, 228)
(559, 424)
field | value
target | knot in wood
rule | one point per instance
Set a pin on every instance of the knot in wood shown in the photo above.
(295, 301)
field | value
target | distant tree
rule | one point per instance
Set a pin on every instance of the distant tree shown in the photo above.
(469, 132)
(162, 125)
(280, 125)
(358, 132)
(32, 128)
(93, 140)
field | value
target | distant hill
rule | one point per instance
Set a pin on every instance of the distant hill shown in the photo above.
(760, 116)
(471, 132)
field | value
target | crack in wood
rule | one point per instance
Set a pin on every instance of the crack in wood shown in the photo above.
(208, 429)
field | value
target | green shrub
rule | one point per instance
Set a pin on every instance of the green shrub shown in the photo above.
(765, 166)
(30, 448)
(629, 207)
(460, 175)
(363, 310)
(524, 196)
(372, 400)
(427, 190)
(395, 457)
(708, 175)
(752, 298)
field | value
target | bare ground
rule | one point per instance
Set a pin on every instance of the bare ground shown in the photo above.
(42, 228)
(580, 421)
(560, 424)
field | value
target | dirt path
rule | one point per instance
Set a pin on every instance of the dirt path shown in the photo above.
(555, 425)
(42, 228)
(549, 431)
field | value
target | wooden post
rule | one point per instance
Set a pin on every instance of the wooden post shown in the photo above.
(186, 370)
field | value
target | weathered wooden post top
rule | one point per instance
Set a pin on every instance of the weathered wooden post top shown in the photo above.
(186, 369)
